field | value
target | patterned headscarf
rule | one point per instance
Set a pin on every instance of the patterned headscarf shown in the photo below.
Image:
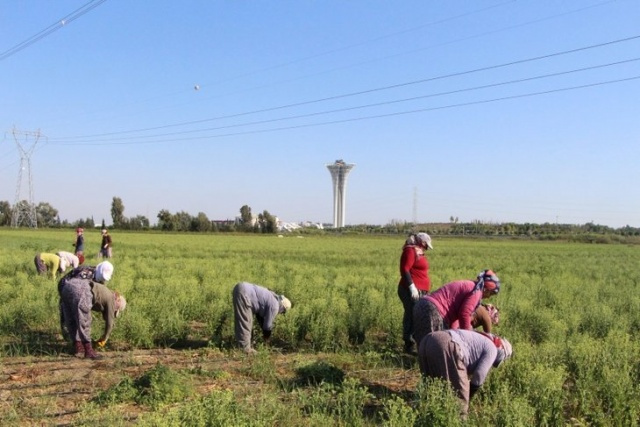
(505, 350)
(494, 313)
(488, 280)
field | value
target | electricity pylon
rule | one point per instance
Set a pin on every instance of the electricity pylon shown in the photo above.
(24, 210)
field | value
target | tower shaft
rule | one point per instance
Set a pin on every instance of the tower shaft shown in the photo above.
(339, 171)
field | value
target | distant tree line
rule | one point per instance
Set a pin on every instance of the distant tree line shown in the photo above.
(47, 217)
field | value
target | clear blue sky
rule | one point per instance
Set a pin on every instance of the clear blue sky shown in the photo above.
(498, 111)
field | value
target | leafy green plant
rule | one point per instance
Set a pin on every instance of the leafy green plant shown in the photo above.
(158, 386)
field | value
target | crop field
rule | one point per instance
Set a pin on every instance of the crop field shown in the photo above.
(571, 311)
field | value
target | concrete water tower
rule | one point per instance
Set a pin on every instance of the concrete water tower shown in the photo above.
(339, 171)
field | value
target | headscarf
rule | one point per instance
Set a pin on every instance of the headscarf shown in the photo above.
(494, 313)
(104, 271)
(421, 241)
(487, 279)
(505, 350)
(121, 304)
(285, 303)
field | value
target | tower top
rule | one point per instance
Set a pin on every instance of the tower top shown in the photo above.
(340, 164)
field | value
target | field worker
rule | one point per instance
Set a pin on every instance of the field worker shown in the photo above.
(250, 300)
(452, 306)
(414, 281)
(485, 316)
(101, 273)
(67, 259)
(105, 246)
(463, 358)
(47, 263)
(79, 243)
(78, 298)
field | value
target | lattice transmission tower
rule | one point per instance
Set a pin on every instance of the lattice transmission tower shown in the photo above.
(24, 209)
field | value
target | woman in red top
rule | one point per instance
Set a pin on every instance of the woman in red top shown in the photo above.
(414, 281)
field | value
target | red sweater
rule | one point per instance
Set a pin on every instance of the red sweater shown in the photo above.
(418, 268)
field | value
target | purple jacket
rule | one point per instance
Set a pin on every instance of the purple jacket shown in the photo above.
(478, 353)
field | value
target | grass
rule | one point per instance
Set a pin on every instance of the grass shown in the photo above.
(571, 311)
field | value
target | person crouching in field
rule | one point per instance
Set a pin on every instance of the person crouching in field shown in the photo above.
(67, 259)
(457, 354)
(414, 281)
(47, 263)
(485, 316)
(81, 292)
(250, 300)
(452, 305)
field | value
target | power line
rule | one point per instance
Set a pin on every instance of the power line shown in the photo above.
(400, 113)
(52, 28)
(414, 98)
(368, 91)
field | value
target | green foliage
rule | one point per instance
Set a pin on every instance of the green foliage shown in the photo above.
(319, 372)
(343, 402)
(398, 413)
(438, 405)
(158, 386)
(571, 311)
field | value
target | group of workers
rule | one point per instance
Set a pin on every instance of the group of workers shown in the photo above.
(53, 263)
(442, 323)
(81, 291)
(438, 327)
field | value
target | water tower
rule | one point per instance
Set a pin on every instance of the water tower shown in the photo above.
(339, 171)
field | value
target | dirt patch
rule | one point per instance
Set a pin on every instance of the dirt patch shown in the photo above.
(53, 390)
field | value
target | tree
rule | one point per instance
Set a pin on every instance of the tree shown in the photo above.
(166, 220)
(267, 222)
(117, 212)
(246, 218)
(47, 215)
(182, 220)
(139, 222)
(201, 223)
(5, 213)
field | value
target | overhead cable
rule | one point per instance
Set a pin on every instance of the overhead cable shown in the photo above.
(52, 28)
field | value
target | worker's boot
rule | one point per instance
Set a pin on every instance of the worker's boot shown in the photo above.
(89, 353)
(78, 349)
(409, 347)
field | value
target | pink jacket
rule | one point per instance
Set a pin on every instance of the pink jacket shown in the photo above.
(456, 302)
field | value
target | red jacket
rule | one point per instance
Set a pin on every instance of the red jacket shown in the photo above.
(417, 266)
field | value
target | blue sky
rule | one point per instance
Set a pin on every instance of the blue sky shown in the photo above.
(497, 111)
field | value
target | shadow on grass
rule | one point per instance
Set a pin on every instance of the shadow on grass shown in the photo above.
(34, 343)
(183, 343)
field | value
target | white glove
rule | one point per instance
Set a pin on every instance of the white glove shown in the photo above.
(414, 292)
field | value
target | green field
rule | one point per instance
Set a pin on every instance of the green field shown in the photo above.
(572, 312)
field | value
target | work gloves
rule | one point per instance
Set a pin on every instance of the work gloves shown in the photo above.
(414, 292)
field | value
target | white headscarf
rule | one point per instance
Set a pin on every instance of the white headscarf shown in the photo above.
(420, 239)
(286, 304)
(104, 271)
